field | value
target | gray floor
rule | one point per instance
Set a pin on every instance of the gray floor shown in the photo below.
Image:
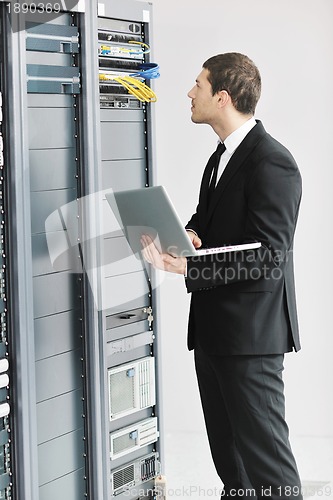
(190, 472)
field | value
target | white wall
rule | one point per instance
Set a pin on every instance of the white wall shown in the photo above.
(292, 44)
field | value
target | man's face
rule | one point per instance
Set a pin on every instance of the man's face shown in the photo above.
(204, 104)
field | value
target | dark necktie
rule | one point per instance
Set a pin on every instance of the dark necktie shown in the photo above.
(216, 160)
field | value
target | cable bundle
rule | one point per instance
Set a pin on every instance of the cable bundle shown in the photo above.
(149, 71)
(134, 86)
(137, 51)
(137, 88)
(134, 82)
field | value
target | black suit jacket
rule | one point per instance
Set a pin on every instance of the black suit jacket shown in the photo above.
(244, 302)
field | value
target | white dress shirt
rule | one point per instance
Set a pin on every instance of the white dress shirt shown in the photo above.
(232, 142)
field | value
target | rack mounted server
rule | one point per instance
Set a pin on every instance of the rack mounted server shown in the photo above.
(80, 397)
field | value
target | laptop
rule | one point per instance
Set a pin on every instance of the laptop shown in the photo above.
(150, 211)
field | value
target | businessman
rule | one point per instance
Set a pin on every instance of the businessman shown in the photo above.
(243, 310)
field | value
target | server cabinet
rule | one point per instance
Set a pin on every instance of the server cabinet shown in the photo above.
(127, 321)
(83, 401)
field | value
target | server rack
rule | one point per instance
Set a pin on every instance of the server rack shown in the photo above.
(78, 311)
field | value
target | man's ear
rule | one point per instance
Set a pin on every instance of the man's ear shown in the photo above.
(223, 98)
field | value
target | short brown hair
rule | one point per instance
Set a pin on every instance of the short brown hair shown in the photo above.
(239, 76)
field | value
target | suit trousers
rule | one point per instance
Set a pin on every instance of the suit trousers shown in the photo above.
(244, 408)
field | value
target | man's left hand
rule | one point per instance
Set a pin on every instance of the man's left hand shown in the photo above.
(163, 261)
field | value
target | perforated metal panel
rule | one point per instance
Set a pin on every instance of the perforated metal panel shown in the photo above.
(123, 477)
(135, 473)
(121, 392)
(122, 444)
(131, 387)
(133, 437)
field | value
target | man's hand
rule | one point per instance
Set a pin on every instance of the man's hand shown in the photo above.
(195, 239)
(163, 261)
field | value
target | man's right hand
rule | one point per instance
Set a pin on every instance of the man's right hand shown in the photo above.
(195, 239)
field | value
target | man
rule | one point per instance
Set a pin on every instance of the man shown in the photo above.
(243, 309)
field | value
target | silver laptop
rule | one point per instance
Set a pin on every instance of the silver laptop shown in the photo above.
(150, 211)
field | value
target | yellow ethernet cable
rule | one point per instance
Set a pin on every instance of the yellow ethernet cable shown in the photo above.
(142, 44)
(134, 86)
